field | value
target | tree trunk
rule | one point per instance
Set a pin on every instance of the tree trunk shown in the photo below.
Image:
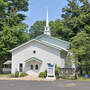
(76, 75)
(81, 71)
(1, 66)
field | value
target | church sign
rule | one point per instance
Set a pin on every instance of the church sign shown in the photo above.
(51, 70)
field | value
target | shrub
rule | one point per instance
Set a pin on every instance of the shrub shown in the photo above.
(56, 71)
(68, 77)
(17, 74)
(45, 73)
(23, 74)
(42, 74)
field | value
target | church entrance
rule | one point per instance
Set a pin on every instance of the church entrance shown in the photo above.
(33, 67)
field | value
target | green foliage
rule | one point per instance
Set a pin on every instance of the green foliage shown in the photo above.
(76, 18)
(12, 37)
(23, 74)
(37, 29)
(17, 74)
(56, 28)
(80, 46)
(14, 75)
(45, 73)
(81, 78)
(77, 28)
(68, 77)
(13, 31)
(56, 71)
(42, 74)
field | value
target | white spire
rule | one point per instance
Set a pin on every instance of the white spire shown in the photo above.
(47, 29)
(47, 19)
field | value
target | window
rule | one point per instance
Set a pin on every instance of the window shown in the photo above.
(34, 51)
(36, 67)
(31, 67)
(21, 67)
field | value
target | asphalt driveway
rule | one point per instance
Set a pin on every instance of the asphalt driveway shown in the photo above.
(44, 85)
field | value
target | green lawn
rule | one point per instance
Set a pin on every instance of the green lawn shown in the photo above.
(4, 75)
(83, 79)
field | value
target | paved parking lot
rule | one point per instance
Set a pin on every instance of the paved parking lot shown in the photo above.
(44, 85)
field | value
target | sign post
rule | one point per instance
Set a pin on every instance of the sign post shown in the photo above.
(51, 71)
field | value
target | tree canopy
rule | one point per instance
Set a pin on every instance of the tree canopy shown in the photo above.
(77, 20)
(13, 31)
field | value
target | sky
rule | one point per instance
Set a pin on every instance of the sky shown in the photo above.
(38, 8)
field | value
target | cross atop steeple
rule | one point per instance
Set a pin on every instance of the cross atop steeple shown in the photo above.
(47, 28)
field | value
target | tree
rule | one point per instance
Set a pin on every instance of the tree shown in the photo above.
(37, 29)
(56, 28)
(13, 31)
(80, 46)
(9, 12)
(75, 17)
(76, 26)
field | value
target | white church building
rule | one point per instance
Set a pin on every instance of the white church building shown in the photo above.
(33, 56)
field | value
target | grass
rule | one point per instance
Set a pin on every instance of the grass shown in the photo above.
(83, 79)
(4, 75)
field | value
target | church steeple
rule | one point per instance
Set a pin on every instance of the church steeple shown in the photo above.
(47, 28)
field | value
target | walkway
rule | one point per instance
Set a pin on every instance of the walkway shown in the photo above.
(33, 78)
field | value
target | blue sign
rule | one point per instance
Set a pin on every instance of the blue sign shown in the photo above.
(50, 65)
(86, 76)
(51, 70)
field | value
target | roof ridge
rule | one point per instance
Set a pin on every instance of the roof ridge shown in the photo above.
(54, 38)
(38, 36)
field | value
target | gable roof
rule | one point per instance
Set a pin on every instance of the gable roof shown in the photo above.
(53, 41)
(48, 40)
(33, 58)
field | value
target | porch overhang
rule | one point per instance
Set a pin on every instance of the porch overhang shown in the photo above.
(7, 62)
(33, 59)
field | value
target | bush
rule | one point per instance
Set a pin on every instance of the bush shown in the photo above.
(68, 77)
(23, 74)
(45, 73)
(42, 74)
(56, 71)
(17, 74)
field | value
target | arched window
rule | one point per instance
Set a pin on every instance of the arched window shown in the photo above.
(36, 67)
(31, 67)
